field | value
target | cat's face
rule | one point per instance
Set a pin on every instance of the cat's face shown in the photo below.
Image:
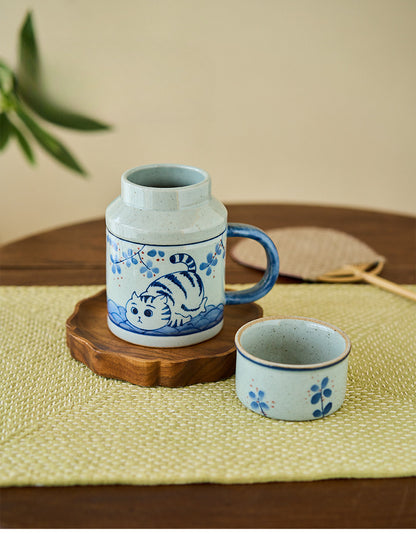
(147, 313)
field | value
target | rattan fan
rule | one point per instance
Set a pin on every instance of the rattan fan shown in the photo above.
(319, 254)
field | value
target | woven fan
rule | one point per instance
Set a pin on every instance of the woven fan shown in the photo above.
(319, 254)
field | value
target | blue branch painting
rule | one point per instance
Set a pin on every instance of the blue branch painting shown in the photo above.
(320, 394)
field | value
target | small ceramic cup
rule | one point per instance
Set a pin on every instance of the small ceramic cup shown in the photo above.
(291, 368)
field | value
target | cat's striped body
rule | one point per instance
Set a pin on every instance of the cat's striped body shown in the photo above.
(172, 299)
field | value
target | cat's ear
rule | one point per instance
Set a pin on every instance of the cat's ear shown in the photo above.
(135, 295)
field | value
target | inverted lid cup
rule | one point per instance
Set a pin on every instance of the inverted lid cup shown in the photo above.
(291, 368)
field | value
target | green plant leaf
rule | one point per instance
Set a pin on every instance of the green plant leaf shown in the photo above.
(6, 78)
(22, 142)
(4, 130)
(57, 114)
(28, 49)
(31, 86)
(52, 145)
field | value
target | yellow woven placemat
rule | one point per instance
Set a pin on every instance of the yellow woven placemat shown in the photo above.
(61, 424)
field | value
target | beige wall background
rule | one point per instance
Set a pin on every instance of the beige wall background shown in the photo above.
(293, 101)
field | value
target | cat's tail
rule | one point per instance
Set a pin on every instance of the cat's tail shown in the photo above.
(184, 258)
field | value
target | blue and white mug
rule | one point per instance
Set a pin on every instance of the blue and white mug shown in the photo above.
(166, 245)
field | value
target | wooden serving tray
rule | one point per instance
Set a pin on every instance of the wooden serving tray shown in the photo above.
(91, 342)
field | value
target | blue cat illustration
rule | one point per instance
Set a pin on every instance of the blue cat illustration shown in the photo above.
(170, 300)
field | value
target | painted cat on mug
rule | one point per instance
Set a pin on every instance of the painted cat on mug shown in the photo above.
(170, 300)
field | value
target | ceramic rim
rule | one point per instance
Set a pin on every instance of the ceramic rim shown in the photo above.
(128, 175)
(286, 366)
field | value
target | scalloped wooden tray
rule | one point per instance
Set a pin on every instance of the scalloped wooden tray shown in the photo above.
(91, 342)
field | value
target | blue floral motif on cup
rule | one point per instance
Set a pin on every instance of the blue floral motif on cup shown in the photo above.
(257, 402)
(320, 393)
(212, 258)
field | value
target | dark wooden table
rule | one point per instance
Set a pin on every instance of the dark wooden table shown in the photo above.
(76, 255)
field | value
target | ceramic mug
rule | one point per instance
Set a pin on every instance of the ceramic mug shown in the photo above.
(291, 368)
(166, 244)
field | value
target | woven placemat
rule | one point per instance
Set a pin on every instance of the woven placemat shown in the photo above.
(63, 425)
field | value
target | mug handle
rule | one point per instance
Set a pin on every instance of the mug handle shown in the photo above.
(272, 270)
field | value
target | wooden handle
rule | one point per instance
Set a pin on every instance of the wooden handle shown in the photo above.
(383, 284)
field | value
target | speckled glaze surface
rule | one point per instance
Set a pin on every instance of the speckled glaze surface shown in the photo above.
(291, 368)
(166, 246)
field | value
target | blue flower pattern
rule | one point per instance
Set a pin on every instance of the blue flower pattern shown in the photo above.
(320, 393)
(129, 258)
(257, 402)
(212, 258)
